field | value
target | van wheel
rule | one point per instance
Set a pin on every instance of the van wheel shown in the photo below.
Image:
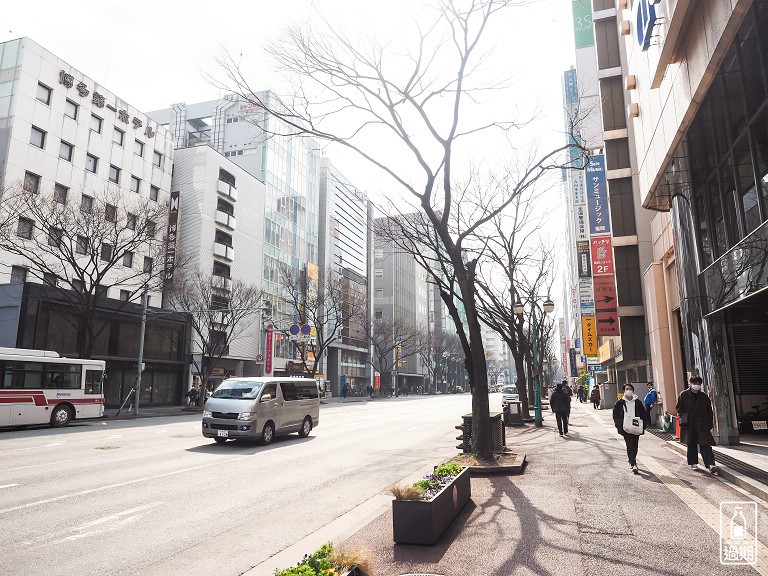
(306, 427)
(220, 440)
(268, 434)
(60, 416)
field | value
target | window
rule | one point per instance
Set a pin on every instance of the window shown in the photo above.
(91, 163)
(128, 259)
(81, 246)
(50, 279)
(37, 138)
(378, 314)
(96, 123)
(378, 273)
(86, 204)
(223, 238)
(43, 93)
(24, 228)
(54, 236)
(31, 182)
(226, 177)
(106, 252)
(60, 193)
(148, 264)
(226, 207)
(118, 137)
(70, 109)
(135, 184)
(153, 193)
(18, 275)
(220, 269)
(157, 159)
(150, 229)
(125, 295)
(379, 293)
(65, 151)
(110, 213)
(130, 221)
(138, 148)
(114, 174)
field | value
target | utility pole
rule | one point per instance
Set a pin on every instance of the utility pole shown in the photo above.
(140, 367)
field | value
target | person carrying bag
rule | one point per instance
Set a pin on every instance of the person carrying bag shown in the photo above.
(631, 420)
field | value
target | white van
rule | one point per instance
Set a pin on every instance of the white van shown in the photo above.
(261, 408)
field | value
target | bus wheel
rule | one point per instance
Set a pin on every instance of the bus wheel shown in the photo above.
(61, 416)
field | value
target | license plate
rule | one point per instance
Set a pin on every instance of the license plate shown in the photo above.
(223, 433)
(759, 425)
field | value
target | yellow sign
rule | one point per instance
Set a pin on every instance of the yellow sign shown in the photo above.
(588, 336)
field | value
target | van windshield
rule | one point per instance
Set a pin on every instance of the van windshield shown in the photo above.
(237, 390)
(509, 390)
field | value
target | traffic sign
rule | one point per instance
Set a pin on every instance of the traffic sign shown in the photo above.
(259, 357)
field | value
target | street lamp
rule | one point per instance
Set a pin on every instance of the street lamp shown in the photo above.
(518, 308)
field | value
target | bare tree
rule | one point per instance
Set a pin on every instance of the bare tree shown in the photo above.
(392, 340)
(218, 311)
(85, 247)
(328, 302)
(417, 107)
(434, 354)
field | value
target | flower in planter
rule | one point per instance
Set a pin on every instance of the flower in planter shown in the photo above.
(430, 486)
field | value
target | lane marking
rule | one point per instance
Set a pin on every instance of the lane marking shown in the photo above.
(697, 503)
(8, 485)
(114, 437)
(59, 443)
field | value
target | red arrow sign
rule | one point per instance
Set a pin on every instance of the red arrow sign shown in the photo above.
(605, 292)
(607, 323)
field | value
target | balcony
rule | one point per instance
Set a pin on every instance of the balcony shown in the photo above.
(225, 219)
(223, 251)
(227, 190)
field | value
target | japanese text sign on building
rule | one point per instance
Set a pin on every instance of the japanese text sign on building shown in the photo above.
(170, 246)
(572, 362)
(589, 335)
(98, 100)
(597, 196)
(586, 300)
(582, 254)
(602, 255)
(581, 223)
(605, 292)
(577, 187)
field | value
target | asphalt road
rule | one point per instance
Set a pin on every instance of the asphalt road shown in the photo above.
(153, 496)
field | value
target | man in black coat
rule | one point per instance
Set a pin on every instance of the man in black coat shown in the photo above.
(560, 403)
(696, 422)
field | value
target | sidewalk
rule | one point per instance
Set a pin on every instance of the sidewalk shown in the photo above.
(577, 509)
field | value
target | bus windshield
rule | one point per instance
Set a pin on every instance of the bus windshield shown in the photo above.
(237, 389)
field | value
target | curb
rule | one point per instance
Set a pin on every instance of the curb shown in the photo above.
(742, 481)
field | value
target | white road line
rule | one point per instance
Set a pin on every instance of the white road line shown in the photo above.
(121, 484)
(53, 444)
(114, 437)
(8, 485)
(116, 516)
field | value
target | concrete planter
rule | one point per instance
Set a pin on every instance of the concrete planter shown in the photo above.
(424, 521)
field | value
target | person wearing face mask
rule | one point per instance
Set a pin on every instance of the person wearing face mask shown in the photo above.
(632, 405)
(696, 422)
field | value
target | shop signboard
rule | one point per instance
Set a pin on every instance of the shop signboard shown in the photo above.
(602, 255)
(597, 196)
(589, 335)
(582, 254)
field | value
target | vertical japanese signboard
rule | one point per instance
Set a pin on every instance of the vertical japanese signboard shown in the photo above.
(602, 255)
(170, 244)
(572, 362)
(582, 253)
(589, 334)
(268, 349)
(583, 30)
(605, 305)
(597, 196)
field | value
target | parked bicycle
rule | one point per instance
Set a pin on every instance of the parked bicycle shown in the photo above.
(756, 420)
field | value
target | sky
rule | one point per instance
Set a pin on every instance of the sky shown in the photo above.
(156, 53)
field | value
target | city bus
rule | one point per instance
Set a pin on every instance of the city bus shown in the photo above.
(41, 387)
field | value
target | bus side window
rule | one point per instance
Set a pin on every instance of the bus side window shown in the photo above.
(93, 381)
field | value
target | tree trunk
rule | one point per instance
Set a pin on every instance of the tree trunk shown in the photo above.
(522, 390)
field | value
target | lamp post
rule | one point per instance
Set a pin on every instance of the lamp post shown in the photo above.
(518, 308)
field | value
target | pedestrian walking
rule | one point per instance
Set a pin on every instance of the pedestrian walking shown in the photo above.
(582, 394)
(560, 404)
(630, 419)
(696, 422)
(595, 397)
(650, 401)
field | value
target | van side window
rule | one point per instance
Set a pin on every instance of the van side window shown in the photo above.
(271, 390)
(290, 391)
(309, 391)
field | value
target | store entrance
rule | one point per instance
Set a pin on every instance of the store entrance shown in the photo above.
(746, 328)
